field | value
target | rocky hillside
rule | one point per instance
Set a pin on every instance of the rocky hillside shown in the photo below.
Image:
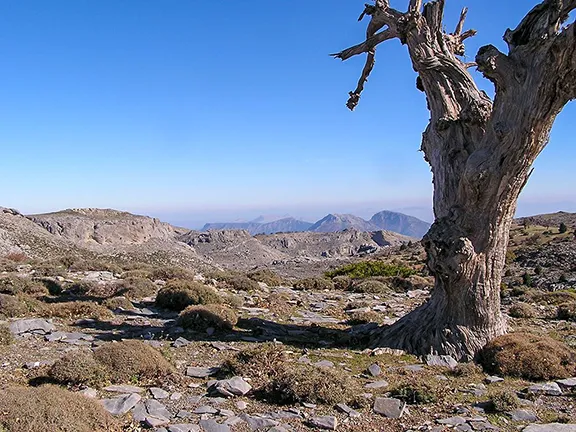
(19, 235)
(288, 224)
(341, 222)
(550, 220)
(400, 223)
(104, 227)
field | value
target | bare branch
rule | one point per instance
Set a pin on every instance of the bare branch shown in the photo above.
(542, 22)
(355, 95)
(460, 25)
(367, 45)
(415, 6)
(434, 14)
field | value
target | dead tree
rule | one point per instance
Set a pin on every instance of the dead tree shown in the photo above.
(480, 151)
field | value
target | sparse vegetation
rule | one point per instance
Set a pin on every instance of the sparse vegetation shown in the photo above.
(179, 294)
(200, 318)
(170, 273)
(260, 364)
(528, 356)
(306, 383)
(522, 310)
(11, 306)
(266, 276)
(364, 318)
(342, 282)
(567, 311)
(415, 394)
(21, 285)
(131, 359)
(504, 400)
(121, 302)
(313, 283)
(51, 408)
(78, 368)
(135, 288)
(76, 310)
(370, 286)
(5, 335)
(366, 269)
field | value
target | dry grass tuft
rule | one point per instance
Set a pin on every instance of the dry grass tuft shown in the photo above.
(170, 273)
(261, 364)
(78, 367)
(314, 283)
(504, 400)
(21, 285)
(306, 383)
(370, 286)
(11, 306)
(51, 408)
(135, 288)
(76, 310)
(201, 318)
(522, 310)
(179, 294)
(567, 311)
(5, 335)
(118, 303)
(266, 276)
(528, 356)
(131, 359)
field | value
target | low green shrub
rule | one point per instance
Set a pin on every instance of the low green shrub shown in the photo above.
(201, 318)
(313, 283)
(179, 294)
(366, 269)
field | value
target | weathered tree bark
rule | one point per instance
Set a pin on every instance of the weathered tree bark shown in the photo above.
(481, 153)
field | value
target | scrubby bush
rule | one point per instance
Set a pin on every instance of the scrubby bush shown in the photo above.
(415, 394)
(76, 310)
(132, 359)
(365, 269)
(5, 335)
(51, 408)
(135, 288)
(567, 311)
(78, 368)
(91, 264)
(90, 288)
(21, 285)
(403, 284)
(260, 364)
(238, 282)
(342, 282)
(553, 298)
(11, 306)
(364, 318)
(306, 383)
(503, 401)
(465, 370)
(370, 286)
(528, 356)
(201, 318)
(171, 272)
(179, 294)
(266, 276)
(114, 303)
(53, 286)
(313, 283)
(522, 310)
(562, 228)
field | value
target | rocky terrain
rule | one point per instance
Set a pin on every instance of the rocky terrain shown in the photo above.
(105, 336)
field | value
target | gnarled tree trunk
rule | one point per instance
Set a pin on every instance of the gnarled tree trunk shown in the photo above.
(480, 151)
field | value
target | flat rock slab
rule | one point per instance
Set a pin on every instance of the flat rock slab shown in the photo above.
(201, 372)
(452, 421)
(374, 370)
(523, 415)
(185, 427)
(235, 386)
(205, 409)
(441, 360)
(389, 407)
(376, 385)
(551, 427)
(158, 393)
(550, 389)
(569, 382)
(257, 423)
(33, 325)
(347, 410)
(180, 342)
(213, 426)
(324, 422)
(123, 389)
(69, 337)
(121, 405)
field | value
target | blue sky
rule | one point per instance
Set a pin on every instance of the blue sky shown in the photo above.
(194, 110)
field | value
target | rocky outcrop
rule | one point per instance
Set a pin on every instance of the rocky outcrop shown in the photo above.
(341, 222)
(99, 227)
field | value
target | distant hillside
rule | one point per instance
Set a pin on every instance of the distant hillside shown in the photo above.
(385, 220)
(341, 222)
(400, 223)
(550, 219)
(254, 227)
